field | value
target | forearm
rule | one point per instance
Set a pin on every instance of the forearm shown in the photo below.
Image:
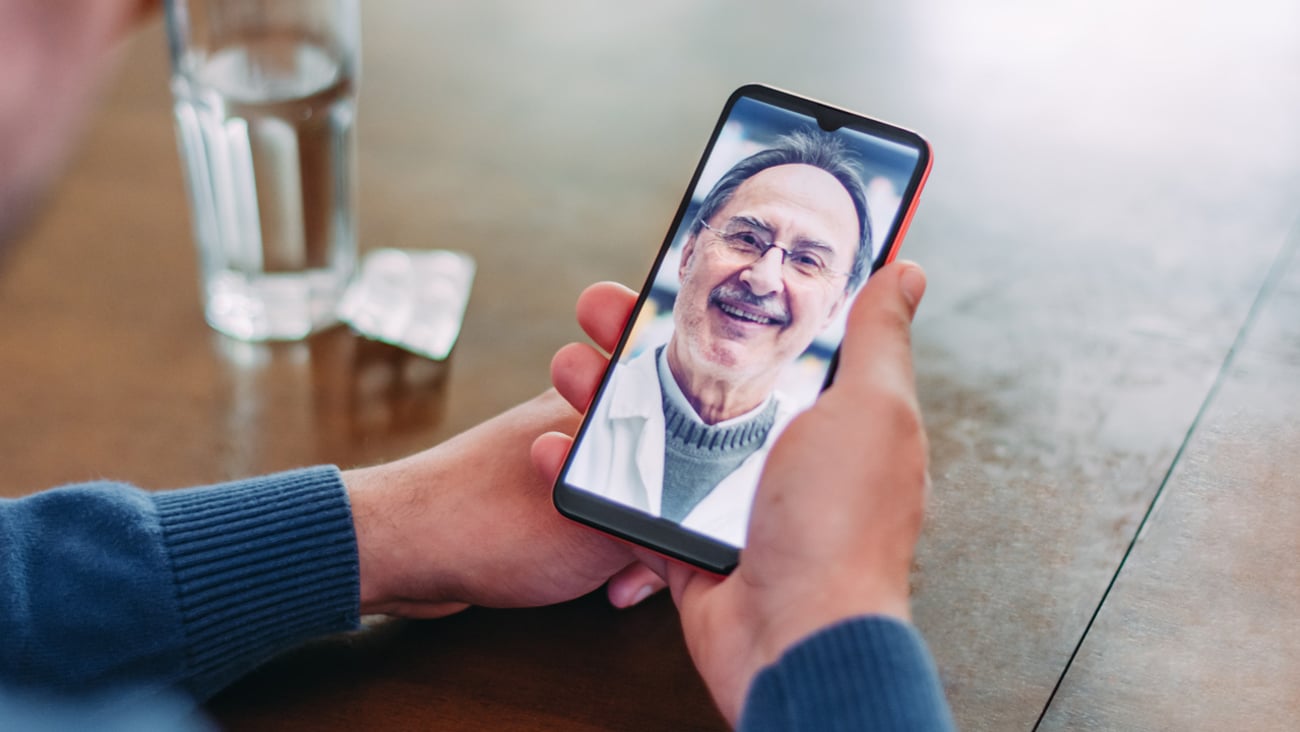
(106, 585)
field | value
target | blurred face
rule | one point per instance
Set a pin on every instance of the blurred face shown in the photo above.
(52, 55)
(743, 321)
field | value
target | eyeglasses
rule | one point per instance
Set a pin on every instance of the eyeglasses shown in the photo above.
(745, 244)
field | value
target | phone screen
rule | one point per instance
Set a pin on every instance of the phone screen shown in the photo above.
(736, 331)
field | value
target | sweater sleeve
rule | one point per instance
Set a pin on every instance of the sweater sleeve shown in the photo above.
(105, 586)
(868, 673)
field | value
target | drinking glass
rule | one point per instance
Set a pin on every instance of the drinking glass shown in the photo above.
(265, 103)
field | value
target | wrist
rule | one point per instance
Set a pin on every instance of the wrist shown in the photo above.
(402, 562)
(367, 521)
(828, 603)
(380, 495)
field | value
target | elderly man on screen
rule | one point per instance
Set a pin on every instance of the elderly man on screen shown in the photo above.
(779, 244)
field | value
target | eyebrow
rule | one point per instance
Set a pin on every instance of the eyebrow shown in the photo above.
(758, 223)
(755, 222)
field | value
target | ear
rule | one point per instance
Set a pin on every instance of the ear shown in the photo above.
(688, 251)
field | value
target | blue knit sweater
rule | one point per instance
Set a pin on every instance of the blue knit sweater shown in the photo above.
(109, 590)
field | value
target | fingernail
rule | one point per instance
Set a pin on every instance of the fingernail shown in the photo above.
(641, 594)
(912, 283)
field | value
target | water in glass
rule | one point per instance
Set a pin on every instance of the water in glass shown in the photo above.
(265, 128)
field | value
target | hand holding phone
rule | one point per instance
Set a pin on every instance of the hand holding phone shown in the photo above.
(737, 328)
(839, 506)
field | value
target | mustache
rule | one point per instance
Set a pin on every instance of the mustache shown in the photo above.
(769, 306)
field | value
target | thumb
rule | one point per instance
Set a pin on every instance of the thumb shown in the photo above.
(878, 343)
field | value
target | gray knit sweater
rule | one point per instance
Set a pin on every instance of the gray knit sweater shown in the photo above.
(698, 456)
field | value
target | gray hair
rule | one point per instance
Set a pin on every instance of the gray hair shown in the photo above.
(804, 147)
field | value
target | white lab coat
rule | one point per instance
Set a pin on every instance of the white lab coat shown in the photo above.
(621, 456)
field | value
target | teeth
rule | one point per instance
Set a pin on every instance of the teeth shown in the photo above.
(744, 315)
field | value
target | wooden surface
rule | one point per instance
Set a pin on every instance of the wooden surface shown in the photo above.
(1112, 194)
(1208, 599)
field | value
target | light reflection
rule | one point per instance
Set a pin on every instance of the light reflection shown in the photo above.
(333, 398)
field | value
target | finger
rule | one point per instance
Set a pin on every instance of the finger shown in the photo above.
(657, 563)
(878, 342)
(686, 583)
(548, 452)
(603, 310)
(575, 371)
(632, 584)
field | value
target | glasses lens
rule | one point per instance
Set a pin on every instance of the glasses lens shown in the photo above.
(807, 264)
(745, 245)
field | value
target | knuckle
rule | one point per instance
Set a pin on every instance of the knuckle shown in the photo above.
(897, 407)
(896, 323)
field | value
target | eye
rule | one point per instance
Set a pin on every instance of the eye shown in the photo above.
(746, 240)
(807, 261)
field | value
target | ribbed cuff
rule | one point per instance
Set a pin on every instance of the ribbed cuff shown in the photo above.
(866, 673)
(261, 565)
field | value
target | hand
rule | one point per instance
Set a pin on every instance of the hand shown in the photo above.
(838, 509)
(469, 522)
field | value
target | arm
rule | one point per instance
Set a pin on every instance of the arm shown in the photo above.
(107, 585)
(104, 584)
(830, 539)
(872, 672)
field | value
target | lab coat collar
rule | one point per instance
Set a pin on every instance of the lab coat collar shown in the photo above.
(630, 400)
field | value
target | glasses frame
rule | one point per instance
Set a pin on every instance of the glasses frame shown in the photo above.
(827, 274)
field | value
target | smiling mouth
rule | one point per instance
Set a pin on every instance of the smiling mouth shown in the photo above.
(747, 315)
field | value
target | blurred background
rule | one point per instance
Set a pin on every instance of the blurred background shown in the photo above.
(1108, 355)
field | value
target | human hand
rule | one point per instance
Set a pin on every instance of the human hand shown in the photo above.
(838, 509)
(469, 522)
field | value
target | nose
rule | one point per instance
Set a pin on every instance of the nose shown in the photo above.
(764, 276)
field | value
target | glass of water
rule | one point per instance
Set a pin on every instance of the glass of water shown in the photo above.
(265, 96)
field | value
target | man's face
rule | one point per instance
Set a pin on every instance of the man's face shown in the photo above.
(742, 322)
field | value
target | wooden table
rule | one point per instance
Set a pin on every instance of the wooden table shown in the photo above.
(1108, 357)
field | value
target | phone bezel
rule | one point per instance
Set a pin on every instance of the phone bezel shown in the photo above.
(662, 535)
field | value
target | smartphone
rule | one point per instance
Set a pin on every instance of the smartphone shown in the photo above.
(737, 329)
